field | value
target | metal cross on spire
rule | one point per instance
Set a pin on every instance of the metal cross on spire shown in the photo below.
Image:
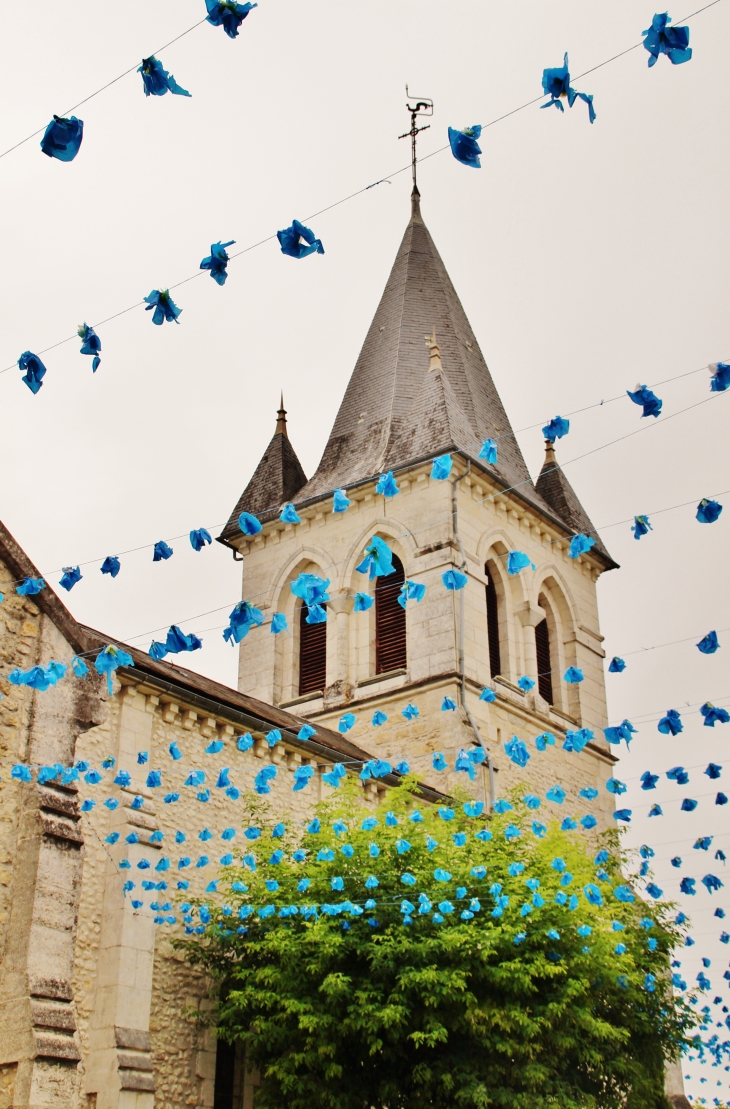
(421, 108)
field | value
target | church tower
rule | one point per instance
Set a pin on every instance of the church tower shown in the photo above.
(421, 389)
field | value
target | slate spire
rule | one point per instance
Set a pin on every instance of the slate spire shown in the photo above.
(557, 492)
(277, 478)
(392, 413)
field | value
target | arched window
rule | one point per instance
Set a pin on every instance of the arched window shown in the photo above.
(495, 661)
(544, 665)
(390, 621)
(312, 654)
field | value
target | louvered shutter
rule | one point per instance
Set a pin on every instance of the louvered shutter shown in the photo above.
(390, 622)
(495, 662)
(544, 668)
(312, 654)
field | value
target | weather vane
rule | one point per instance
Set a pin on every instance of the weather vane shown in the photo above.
(422, 108)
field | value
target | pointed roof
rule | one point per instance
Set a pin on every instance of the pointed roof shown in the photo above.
(277, 478)
(391, 413)
(555, 489)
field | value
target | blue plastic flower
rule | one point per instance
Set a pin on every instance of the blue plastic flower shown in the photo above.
(516, 561)
(525, 683)
(516, 751)
(544, 740)
(557, 428)
(62, 138)
(579, 544)
(662, 39)
(387, 485)
(671, 724)
(464, 145)
(714, 715)
(90, 344)
(71, 575)
(709, 644)
(34, 370)
(489, 452)
(454, 579)
(228, 14)
(340, 501)
(164, 307)
(556, 85)
(111, 565)
(217, 261)
(363, 601)
(161, 551)
(616, 665)
(298, 241)
(411, 591)
(410, 712)
(651, 405)
(249, 524)
(243, 617)
(573, 675)
(556, 794)
(278, 623)
(641, 526)
(441, 467)
(720, 379)
(488, 695)
(708, 511)
(157, 81)
(649, 780)
(109, 659)
(378, 561)
(289, 515)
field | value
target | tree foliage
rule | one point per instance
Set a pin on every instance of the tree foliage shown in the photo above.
(502, 989)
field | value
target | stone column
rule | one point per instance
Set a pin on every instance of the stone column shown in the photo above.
(119, 1069)
(530, 615)
(674, 1086)
(339, 687)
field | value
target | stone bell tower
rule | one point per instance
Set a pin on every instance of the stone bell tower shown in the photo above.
(421, 389)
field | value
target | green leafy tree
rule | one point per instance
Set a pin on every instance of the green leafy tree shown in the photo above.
(436, 959)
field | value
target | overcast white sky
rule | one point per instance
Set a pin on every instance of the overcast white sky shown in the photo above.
(587, 258)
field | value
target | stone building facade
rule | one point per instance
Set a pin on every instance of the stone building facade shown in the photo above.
(421, 389)
(96, 1007)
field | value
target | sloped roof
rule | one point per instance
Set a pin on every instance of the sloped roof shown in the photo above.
(277, 478)
(554, 488)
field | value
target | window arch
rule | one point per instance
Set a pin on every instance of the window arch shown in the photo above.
(390, 621)
(495, 654)
(544, 661)
(312, 654)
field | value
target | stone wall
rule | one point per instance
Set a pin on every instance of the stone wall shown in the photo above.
(418, 526)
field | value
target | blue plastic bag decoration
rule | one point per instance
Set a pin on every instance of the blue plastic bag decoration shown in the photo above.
(714, 715)
(713, 771)
(340, 501)
(616, 665)
(662, 39)
(363, 601)
(464, 145)
(217, 261)
(310, 589)
(525, 683)
(289, 515)
(164, 306)
(516, 751)
(577, 740)
(573, 675)
(649, 780)
(39, 677)
(556, 85)
(111, 565)
(71, 575)
(641, 526)
(243, 617)
(378, 561)
(62, 138)
(175, 642)
(411, 591)
(161, 551)
(454, 580)
(558, 427)
(516, 561)
(708, 511)
(720, 377)
(386, 485)
(671, 724)
(157, 81)
(298, 241)
(346, 722)
(544, 740)
(249, 524)
(625, 730)
(488, 695)
(489, 451)
(227, 14)
(110, 659)
(709, 644)
(262, 779)
(79, 667)
(410, 712)
(34, 370)
(580, 544)
(441, 467)
(199, 537)
(650, 403)
(278, 623)
(711, 883)
(90, 344)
